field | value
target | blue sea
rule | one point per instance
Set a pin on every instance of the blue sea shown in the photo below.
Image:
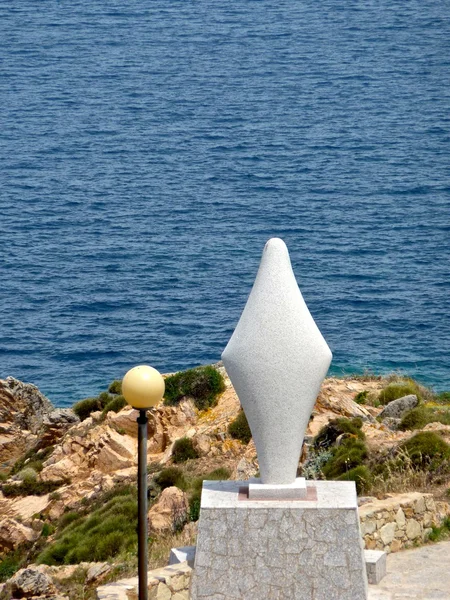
(148, 150)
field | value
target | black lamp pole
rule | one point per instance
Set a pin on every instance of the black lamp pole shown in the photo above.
(142, 505)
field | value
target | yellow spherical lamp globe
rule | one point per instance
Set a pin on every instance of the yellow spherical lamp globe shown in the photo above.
(143, 387)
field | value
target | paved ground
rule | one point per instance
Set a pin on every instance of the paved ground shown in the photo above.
(417, 574)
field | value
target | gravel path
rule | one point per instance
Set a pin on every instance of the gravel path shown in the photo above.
(417, 574)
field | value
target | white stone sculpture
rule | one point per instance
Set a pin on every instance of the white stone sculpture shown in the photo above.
(277, 360)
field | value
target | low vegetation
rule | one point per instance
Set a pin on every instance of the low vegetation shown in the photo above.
(105, 401)
(403, 386)
(440, 533)
(183, 450)
(115, 387)
(420, 416)
(203, 385)
(172, 476)
(33, 459)
(427, 450)
(114, 405)
(107, 531)
(239, 429)
(32, 487)
(341, 426)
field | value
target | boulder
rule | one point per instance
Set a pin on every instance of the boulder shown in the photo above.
(169, 513)
(13, 533)
(125, 421)
(30, 582)
(56, 424)
(397, 408)
(392, 423)
(202, 444)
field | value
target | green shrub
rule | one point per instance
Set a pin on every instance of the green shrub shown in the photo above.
(443, 397)
(440, 533)
(361, 476)
(34, 458)
(183, 450)
(104, 398)
(114, 405)
(220, 474)
(239, 429)
(421, 415)
(32, 488)
(67, 519)
(312, 469)
(328, 435)
(172, 476)
(84, 408)
(27, 475)
(47, 530)
(108, 530)
(398, 389)
(361, 397)
(203, 385)
(415, 419)
(350, 454)
(115, 387)
(11, 562)
(194, 505)
(427, 450)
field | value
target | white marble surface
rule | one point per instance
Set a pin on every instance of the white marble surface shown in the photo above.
(276, 360)
(224, 494)
(288, 491)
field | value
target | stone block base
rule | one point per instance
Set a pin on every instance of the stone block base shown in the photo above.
(375, 565)
(291, 491)
(279, 550)
(183, 554)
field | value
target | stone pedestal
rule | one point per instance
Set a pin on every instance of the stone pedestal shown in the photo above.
(307, 549)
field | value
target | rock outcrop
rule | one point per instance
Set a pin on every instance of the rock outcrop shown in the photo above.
(27, 417)
(397, 408)
(13, 534)
(29, 583)
(169, 513)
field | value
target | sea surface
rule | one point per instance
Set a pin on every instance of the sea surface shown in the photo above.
(148, 150)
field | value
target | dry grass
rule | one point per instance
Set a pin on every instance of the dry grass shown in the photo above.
(403, 477)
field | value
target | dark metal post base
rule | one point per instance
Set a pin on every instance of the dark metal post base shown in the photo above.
(142, 505)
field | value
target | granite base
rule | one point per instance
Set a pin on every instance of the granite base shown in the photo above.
(279, 550)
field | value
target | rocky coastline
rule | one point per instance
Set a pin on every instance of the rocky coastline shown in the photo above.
(75, 467)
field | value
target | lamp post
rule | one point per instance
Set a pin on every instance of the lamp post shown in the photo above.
(142, 387)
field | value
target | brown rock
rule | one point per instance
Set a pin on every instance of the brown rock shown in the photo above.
(413, 529)
(339, 401)
(56, 424)
(30, 582)
(13, 533)
(396, 545)
(169, 512)
(201, 444)
(22, 412)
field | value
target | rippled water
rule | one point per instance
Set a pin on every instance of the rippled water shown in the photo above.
(149, 150)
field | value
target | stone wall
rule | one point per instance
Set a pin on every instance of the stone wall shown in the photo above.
(400, 521)
(167, 583)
